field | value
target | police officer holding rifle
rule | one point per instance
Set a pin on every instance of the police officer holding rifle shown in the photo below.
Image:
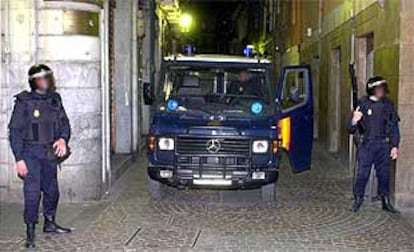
(375, 120)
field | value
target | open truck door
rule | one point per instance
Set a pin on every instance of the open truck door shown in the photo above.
(295, 115)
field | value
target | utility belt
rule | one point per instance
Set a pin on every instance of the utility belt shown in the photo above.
(47, 150)
(377, 139)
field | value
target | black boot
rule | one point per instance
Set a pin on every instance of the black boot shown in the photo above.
(357, 203)
(51, 226)
(30, 232)
(387, 206)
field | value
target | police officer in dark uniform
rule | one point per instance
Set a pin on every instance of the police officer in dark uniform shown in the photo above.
(376, 122)
(246, 84)
(39, 133)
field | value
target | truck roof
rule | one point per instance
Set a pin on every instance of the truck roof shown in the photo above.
(216, 58)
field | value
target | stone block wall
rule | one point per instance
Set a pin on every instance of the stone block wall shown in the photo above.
(405, 166)
(123, 80)
(75, 57)
(391, 23)
(18, 45)
(336, 29)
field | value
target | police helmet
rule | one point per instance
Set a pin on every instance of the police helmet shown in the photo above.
(377, 81)
(40, 71)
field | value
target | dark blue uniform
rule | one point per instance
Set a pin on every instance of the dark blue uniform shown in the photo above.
(379, 134)
(251, 87)
(38, 121)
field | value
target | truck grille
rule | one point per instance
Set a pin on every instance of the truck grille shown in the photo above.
(212, 146)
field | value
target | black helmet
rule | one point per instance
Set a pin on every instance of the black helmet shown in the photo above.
(40, 71)
(374, 82)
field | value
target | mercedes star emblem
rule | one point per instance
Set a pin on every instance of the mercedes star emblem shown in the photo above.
(213, 146)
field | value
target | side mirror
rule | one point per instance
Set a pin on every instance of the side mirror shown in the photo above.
(148, 94)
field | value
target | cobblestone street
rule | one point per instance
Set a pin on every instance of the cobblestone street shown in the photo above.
(311, 214)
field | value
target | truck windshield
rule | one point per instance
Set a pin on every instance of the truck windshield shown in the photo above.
(195, 86)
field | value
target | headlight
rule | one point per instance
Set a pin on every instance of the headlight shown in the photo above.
(260, 146)
(165, 144)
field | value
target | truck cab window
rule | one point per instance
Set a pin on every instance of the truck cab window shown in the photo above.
(294, 93)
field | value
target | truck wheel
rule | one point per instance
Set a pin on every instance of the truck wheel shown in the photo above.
(155, 189)
(269, 192)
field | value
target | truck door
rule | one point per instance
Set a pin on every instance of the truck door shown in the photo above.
(295, 115)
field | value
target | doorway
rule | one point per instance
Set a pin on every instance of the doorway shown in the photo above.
(334, 102)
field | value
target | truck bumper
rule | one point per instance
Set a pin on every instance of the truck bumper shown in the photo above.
(231, 180)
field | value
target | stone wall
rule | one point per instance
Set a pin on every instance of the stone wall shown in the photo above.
(405, 169)
(391, 23)
(74, 53)
(17, 55)
(123, 80)
(336, 29)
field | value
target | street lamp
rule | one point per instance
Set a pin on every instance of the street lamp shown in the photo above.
(185, 22)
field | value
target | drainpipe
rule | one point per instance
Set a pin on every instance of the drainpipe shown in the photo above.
(134, 81)
(106, 140)
(2, 10)
(5, 60)
(36, 30)
(320, 27)
(152, 42)
(352, 61)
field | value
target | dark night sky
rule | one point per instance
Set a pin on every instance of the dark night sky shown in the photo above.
(212, 24)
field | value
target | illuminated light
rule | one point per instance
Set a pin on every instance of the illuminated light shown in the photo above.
(189, 50)
(248, 51)
(186, 21)
(151, 143)
(285, 132)
(172, 105)
(166, 174)
(256, 108)
(275, 146)
(260, 146)
(166, 144)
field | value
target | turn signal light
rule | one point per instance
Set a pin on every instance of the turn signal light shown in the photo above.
(285, 132)
(151, 143)
(275, 146)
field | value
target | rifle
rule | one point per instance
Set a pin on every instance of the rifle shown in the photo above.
(354, 85)
(356, 138)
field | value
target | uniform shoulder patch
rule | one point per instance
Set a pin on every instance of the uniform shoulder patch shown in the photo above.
(56, 95)
(364, 99)
(55, 100)
(388, 101)
(25, 95)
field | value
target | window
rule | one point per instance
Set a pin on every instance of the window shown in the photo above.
(185, 81)
(294, 93)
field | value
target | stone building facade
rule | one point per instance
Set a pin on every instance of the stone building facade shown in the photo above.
(95, 48)
(375, 34)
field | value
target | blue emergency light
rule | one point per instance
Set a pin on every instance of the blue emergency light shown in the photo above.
(256, 108)
(172, 105)
(189, 50)
(248, 51)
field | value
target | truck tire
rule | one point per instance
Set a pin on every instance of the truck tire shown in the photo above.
(269, 192)
(155, 189)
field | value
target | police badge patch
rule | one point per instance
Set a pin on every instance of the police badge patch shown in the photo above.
(36, 113)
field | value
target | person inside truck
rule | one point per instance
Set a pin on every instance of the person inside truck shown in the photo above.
(246, 84)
